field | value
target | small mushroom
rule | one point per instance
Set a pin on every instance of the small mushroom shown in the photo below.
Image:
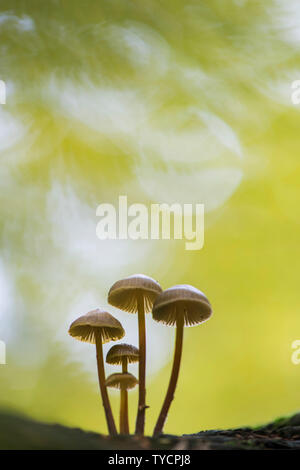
(179, 306)
(136, 294)
(123, 354)
(99, 327)
(124, 382)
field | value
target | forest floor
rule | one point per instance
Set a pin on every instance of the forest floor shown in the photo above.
(17, 432)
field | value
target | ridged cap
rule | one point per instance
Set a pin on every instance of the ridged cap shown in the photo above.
(182, 301)
(122, 381)
(120, 351)
(96, 321)
(124, 293)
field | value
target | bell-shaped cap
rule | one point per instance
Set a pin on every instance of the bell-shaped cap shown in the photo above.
(182, 301)
(123, 381)
(124, 294)
(95, 322)
(118, 352)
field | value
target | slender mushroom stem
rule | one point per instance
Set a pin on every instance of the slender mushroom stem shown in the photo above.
(124, 364)
(101, 376)
(124, 425)
(140, 419)
(173, 379)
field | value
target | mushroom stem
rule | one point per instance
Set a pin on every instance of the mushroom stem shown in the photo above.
(101, 376)
(173, 379)
(140, 419)
(124, 364)
(124, 424)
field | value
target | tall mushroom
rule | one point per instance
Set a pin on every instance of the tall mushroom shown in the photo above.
(123, 354)
(136, 294)
(179, 306)
(98, 327)
(124, 382)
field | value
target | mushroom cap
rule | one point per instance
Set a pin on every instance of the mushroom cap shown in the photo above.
(86, 327)
(124, 293)
(120, 351)
(182, 300)
(122, 381)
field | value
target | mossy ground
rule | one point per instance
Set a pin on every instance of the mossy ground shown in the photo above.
(17, 432)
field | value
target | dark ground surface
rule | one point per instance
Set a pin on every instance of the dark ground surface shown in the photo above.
(20, 433)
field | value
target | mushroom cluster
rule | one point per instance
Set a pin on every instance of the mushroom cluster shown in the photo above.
(179, 306)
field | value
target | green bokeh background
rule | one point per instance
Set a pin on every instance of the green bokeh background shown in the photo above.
(67, 144)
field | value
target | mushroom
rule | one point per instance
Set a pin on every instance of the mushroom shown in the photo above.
(136, 294)
(124, 382)
(123, 354)
(98, 327)
(179, 306)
